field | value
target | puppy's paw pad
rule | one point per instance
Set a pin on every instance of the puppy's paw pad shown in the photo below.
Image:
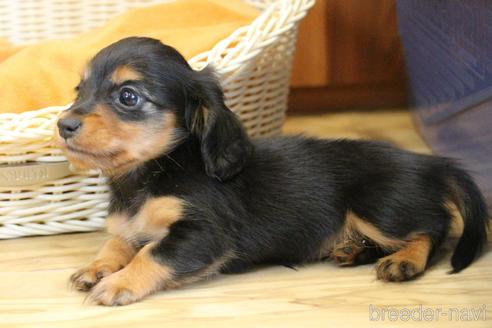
(389, 269)
(111, 293)
(86, 278)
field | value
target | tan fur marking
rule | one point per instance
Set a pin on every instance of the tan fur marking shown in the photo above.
(354, 223)
(457, 224)
(141, 277)
(161, 212)
(200, 119)
(151, 222)
(116, 252)
(113, 256)
(415, 250)
(407, 262)
(206, 115)
(354, 230)
(125, 73)
(116, 224)
(116, 146)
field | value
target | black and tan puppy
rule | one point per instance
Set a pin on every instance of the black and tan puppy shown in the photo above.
(192, 195)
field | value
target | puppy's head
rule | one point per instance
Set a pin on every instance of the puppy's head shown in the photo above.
(138, 100)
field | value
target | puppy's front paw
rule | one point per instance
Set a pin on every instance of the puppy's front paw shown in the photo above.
(113, 291)
(86, 278)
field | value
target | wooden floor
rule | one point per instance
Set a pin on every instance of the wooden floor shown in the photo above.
(34, 272)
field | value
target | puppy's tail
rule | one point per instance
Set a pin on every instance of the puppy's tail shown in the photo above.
(469, 200)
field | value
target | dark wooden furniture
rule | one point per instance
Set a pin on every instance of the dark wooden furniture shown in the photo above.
(348, 56)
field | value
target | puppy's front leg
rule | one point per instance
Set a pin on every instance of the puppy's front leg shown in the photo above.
(186, 254)
(113, 256)
(142, 276)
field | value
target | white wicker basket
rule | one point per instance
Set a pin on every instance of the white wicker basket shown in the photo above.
(39, 195)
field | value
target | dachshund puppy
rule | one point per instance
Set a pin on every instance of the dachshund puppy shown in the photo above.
(192, 195)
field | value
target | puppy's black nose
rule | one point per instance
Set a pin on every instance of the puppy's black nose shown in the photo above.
(68, 127)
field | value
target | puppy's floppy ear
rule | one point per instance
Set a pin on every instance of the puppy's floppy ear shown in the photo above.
(225, 146)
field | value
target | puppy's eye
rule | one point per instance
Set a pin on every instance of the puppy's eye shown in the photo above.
(128, 97)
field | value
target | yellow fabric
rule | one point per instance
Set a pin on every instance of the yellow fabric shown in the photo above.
(45, 74)
(6, 49)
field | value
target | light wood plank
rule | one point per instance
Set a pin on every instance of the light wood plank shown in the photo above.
(394, 126)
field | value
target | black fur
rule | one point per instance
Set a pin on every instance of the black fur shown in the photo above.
(275, 200)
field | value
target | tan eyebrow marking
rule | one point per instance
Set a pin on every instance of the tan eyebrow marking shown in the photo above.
(125, 73)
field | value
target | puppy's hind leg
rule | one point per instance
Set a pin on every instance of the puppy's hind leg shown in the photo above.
(359, 242)
(346, 252)
(357, 251)
(406, 263)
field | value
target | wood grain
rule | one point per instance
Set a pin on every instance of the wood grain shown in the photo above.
(311, 67)
(367, 47)
(349, 42)
(348, 54)
(34, 274)
(335, 98)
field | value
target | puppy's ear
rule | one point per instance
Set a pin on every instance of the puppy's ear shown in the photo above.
(225, 146)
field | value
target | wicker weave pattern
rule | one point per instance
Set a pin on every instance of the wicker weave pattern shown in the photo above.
(254, 64)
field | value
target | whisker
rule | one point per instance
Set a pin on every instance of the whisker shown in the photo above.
(175, 162)
(158, 164)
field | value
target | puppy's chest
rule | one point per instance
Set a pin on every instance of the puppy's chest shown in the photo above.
(151, 222)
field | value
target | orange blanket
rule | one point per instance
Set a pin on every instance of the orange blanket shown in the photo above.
(45, 74)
